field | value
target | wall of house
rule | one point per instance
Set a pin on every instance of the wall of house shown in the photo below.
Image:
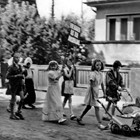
(126, 53)
(135, 82)
(102, 12)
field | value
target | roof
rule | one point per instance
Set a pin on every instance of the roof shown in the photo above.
(96, 3)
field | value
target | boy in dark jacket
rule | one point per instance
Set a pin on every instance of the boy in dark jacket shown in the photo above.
(114, 83)
(16, 80)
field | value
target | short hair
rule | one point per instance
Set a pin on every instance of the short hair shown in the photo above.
(94, 63)
(16, 54)
(117, 64)
(67, 60)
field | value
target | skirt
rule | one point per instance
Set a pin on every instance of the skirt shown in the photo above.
(67, 88)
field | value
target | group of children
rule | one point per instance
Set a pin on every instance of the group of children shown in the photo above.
(53, 109)
(113, 84)
(20, 80)
(20, 83)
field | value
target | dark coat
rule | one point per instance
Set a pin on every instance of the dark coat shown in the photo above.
(16, 83)
(112, 83)
(29, 84)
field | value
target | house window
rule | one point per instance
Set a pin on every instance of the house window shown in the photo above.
(123, 27)
(136, 28)
(112, 30)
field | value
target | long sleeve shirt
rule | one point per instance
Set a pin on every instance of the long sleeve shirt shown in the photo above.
(113, 82)
(12, 73)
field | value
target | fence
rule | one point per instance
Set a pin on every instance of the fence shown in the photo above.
(82, 78)
(40, 77)
(82, 73)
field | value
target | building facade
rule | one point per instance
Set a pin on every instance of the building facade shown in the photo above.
(117, 29)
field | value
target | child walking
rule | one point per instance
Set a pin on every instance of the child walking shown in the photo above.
(53, 110)
(16, 82)
(30, 95)
(96, 79)
(114, 83)
(67, 86)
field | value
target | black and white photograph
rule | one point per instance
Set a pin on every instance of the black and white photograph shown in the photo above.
(69, 69)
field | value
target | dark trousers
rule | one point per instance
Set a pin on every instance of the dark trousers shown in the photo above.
(31, 97)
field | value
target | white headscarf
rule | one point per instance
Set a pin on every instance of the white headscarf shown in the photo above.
(28, 60)
(53, 61)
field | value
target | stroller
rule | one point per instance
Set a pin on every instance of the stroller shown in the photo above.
(129, 118)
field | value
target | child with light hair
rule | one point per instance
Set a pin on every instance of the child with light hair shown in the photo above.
(52, 109)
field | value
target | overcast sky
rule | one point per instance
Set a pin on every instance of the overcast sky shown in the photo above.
(64, 7)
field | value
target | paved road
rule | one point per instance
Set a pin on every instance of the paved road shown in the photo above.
(33, 128)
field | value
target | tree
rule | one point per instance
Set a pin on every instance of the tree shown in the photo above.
(78, 53)
(44, 39)
(22, 31)
(64, 30)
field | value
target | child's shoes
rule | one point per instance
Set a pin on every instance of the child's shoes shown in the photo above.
(18, 114)
(14, 117)
(102, 127)
(72, 117)
(80, 122)
(61, 121)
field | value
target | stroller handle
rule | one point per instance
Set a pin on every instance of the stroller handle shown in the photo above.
(103, 106)
(128, 94)
(102, 97)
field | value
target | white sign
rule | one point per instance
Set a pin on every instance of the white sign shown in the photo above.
(74, 34)
(74, 40)
(75, 27)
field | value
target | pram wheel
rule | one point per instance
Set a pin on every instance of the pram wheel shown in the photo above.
(126, 130)
(137, 129)
(115, 129)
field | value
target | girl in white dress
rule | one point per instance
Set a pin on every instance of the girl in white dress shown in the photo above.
(95, 80)
(52, 109)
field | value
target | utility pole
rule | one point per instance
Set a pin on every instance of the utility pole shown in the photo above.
(82, 15)
(82, 18)
(52, 10)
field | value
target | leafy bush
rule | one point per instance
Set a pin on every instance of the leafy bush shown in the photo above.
(23, 31)
(43, 39)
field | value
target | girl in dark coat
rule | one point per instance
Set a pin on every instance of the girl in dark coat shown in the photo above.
(30, 95)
